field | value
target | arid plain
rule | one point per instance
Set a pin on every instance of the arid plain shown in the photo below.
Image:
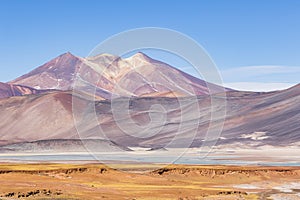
(97, 181)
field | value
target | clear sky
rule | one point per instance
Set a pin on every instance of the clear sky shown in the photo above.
(255, 43)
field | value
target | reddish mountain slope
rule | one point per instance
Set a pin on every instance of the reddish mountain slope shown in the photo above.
(55, 74)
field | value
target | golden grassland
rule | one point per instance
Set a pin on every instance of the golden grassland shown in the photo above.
(97, 181)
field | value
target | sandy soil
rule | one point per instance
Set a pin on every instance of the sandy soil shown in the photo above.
(184, 182)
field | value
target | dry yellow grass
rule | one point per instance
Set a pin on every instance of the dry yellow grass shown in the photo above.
(96, 181)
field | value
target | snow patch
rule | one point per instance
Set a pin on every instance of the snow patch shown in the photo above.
(255, 136)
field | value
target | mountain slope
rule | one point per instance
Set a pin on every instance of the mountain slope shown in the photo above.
(263, 118)
(252, 119)
(36, 117)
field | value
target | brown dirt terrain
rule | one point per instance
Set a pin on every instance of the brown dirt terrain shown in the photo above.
(96, 181)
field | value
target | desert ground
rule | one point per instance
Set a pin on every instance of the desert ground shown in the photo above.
(140, 182)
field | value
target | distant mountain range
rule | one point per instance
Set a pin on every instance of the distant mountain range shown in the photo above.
(36, 108)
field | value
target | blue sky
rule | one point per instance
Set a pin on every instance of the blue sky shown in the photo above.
(255, 44)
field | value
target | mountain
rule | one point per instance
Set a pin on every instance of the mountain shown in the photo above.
(137, 102)
(252, 119)
(138, 75)
(9, 90)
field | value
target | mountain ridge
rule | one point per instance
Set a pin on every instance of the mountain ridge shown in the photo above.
(138, 75)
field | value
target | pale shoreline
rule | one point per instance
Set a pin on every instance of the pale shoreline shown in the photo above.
(280, 156)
